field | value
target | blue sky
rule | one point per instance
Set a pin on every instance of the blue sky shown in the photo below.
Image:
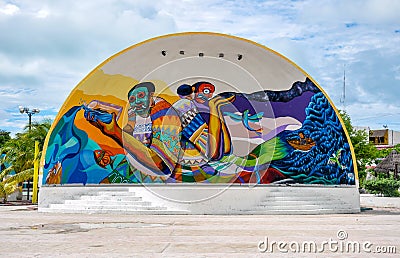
(47, 47)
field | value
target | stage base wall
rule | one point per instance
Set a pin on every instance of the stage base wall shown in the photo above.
(200, 199)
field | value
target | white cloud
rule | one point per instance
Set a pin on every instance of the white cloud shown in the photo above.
(43, 13)
(8, 9)
(47, 47)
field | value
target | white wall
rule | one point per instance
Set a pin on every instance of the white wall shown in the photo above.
(224, 199)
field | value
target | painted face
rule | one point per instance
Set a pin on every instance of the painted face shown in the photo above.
(204, 93)
(139, 100)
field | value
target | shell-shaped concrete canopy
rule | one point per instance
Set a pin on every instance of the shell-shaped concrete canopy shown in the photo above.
(198, 108)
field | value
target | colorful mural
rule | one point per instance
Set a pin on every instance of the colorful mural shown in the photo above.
(125, 130)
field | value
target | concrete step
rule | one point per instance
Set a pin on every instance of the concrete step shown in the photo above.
(110, 198)
(294, 198)
(302, 212)
(111, 211)
(115, 193)
(107, 202)
(298, 197)
(302, 207)
(124, 201)
(290, 207)
(107, 207)
(294, 189)
(306, 194)
(298, 202)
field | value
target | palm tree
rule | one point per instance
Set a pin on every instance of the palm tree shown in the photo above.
(19, 152)
(38, 133)
(4, 137)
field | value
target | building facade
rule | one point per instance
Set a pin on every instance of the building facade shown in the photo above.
(381, 138)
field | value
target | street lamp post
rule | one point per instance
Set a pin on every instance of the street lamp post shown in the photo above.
(29, 113)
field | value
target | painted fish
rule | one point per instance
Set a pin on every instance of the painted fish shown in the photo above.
(245, 118)
(102, 157)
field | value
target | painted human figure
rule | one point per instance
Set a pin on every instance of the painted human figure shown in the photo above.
(185, 106)
(192, 154)
(151, 137)
(139, 121)
(207, 130)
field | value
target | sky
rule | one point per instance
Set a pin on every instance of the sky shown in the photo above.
(48, 47)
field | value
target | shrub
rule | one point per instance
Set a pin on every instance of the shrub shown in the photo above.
(384, 186)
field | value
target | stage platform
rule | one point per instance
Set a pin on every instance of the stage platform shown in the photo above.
(200, 199)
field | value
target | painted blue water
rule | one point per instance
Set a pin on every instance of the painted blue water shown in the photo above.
(330, 160)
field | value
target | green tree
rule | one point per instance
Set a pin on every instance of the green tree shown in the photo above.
(365, 152)
(19, 153)
(383, 153)
(4, 137)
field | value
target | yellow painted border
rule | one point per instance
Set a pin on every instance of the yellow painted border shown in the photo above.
(210, 34)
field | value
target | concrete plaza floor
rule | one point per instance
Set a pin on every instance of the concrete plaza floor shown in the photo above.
(24, 232)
